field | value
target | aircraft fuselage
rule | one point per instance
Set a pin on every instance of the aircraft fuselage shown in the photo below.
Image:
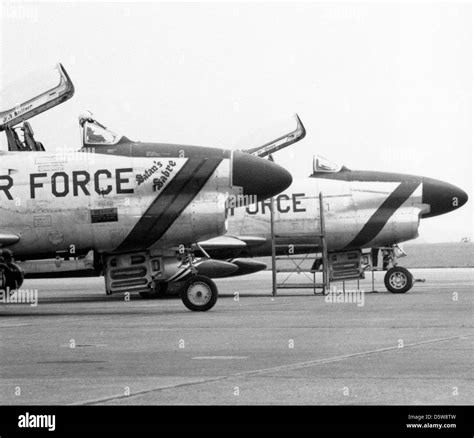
(362, 209)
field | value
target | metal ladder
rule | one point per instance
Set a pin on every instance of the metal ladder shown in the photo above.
(299, 259)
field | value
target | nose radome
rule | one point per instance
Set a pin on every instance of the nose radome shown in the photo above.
(258, 176)
(441, 197)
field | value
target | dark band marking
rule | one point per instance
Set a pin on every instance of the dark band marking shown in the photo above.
(128, 148)
(170, 203)
(381, 216)
(367, 176)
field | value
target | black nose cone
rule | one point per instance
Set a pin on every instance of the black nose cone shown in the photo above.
(258, 176)
(441, 197)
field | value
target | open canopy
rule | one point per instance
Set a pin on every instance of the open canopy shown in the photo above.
(33, 95)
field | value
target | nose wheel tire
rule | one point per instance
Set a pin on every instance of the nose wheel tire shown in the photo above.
(398, 280)
(199, 293)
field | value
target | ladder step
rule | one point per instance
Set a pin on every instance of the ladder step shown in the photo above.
(296, 271)
(319, 246)
(345, 277)
(293, 236)
(290, 257)
(299, 286)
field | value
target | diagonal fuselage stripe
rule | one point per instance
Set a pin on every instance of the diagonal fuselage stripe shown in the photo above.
(381, 216)
(170, 203)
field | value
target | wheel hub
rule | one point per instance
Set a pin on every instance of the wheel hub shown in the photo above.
(199, 293)
(398, 280)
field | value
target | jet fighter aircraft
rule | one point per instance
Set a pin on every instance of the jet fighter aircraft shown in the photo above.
(363, 210)
(140, 207)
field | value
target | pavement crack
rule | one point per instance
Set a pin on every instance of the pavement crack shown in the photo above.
(289, 367)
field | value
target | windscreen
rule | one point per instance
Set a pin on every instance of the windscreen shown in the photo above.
(97, 134)
(321, 164)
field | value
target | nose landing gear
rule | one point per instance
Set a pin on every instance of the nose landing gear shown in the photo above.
(398, 280)
(199, 293)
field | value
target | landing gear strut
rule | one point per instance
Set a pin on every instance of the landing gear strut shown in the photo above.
(398, 280)
(11, 275)
(198, 293)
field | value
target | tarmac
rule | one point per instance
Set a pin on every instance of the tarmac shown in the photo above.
(79, 346)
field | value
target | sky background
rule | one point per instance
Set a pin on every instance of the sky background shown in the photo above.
(378, 86)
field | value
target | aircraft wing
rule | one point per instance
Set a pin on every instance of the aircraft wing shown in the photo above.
(33, 95)
(227, 246)
(235, 250)
(281, 142)
(222, 242)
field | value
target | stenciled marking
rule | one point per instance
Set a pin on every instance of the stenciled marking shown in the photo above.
(381, 216)
(73, 183)
(62, 183)
(284, 203)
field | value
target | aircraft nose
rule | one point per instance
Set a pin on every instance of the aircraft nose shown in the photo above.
(258, 176)
(441, 197)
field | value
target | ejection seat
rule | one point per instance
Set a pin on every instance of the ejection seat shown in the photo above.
(24, 99)
(27, 144)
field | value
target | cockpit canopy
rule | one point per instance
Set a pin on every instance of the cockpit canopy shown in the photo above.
(94, 133)
(37, 93)
(34, 94)
(28, 97)
(323, 165)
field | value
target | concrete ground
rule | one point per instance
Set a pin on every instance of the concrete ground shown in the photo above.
(78, 346)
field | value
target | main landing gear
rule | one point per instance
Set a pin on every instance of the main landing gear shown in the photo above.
(199, 293)
(11, 275)
(152, 275)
